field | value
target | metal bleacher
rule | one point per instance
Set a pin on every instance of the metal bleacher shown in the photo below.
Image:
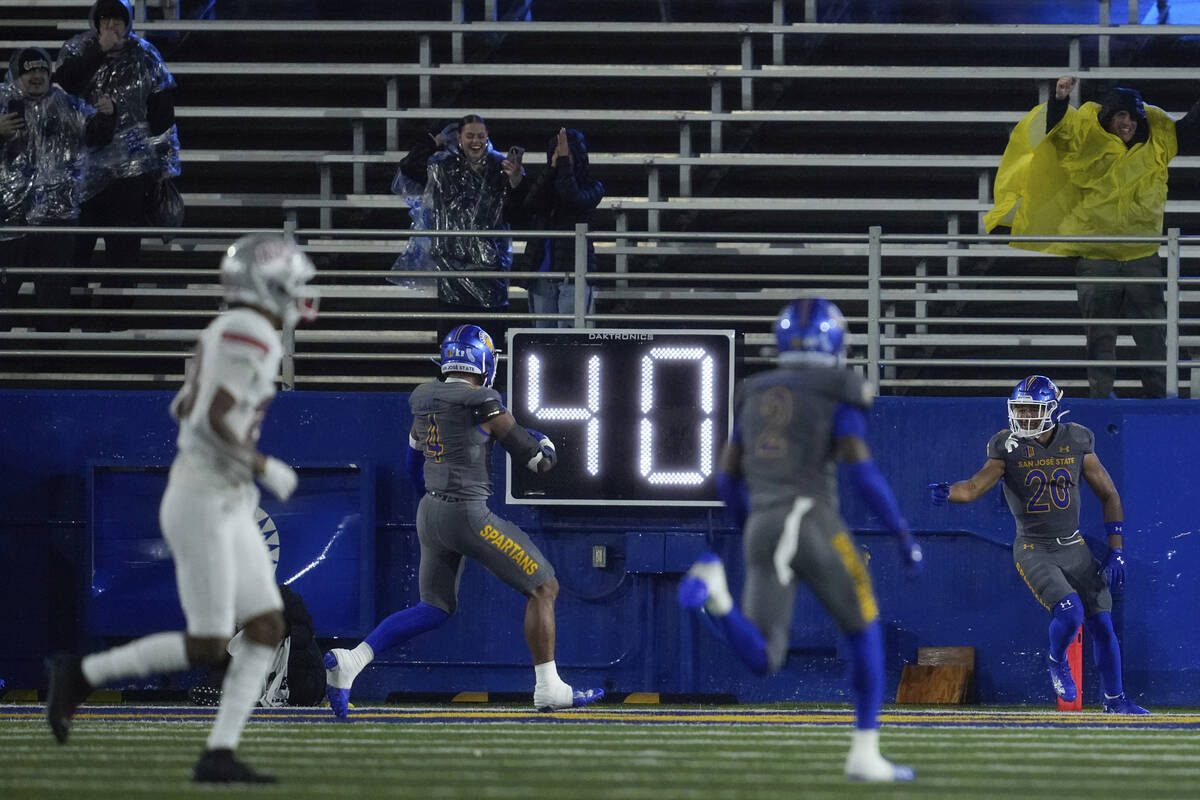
(744, 163)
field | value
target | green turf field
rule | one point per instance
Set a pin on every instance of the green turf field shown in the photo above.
(656, 753)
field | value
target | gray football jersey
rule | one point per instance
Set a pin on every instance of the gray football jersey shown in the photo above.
(1041, 481)
(457, 453)
(785, 426)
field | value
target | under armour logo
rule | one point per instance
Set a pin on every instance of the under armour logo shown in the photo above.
(1066, 448)
(1065, 604)
(1026, 547)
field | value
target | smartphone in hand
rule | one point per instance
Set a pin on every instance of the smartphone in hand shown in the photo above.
(16, 106)
(515, 154)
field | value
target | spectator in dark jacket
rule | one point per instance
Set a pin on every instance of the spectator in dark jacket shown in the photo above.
(562, 196)
(109, 59)
(44, 133)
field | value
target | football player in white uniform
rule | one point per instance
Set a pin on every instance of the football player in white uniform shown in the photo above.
(222, 568)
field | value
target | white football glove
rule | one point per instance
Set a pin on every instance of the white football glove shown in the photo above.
(279, 478)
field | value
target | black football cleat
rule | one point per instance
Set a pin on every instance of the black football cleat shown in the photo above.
(68, 688)
(219, 766)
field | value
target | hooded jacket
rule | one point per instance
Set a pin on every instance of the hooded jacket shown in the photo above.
(140, 86)
(560, 198)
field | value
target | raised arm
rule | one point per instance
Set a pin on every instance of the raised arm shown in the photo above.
(1056, 106)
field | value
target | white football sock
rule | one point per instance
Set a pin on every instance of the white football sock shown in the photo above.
(546, 675)
(239, 693)
(549, 689)
(360, 656)
(350, 663)
(150, 655)
(864, 742)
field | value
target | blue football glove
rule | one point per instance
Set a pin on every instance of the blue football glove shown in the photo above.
(910, 552)
(939, 493)
(1114, 569)
(549, 456)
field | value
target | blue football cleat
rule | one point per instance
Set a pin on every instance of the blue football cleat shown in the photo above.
(339, 699)
(579, 699)
(1122, 705)
(585, 697)
(1062, 680)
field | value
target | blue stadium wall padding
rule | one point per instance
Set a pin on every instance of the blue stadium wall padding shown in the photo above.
(618, 626)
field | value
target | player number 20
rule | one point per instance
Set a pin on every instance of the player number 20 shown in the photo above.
(1053, 489)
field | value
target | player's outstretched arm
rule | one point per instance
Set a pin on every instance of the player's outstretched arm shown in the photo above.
(970, 490)
(532, 449)
(850, 426)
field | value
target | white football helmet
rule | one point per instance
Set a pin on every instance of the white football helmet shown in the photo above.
(270, 272)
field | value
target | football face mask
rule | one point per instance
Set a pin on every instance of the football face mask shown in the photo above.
(1032, 407)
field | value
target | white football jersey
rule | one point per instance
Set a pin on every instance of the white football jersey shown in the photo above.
(239, 352)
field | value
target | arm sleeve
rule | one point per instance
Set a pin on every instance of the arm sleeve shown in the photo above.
(486, 405)
(849, 420)
(160, 110)
(1055, 110)
(414, 464)
(1187, 132)
(76, 71)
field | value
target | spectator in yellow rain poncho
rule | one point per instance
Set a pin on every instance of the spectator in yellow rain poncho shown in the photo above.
(1099, 170)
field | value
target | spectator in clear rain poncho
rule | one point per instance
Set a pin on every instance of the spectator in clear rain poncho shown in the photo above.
(109, 59)
(409, 183)
(43, 136)
(469, 187)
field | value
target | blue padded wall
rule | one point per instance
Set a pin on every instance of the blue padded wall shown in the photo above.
(619, 625)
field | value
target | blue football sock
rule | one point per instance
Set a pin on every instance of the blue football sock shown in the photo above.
(866, 675)
(1064, 622)
(1106, 652)
(403, 625)
(744, 637)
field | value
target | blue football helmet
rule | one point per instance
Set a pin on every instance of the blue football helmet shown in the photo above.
(468, 348)
(1033, 407)
(811, 331)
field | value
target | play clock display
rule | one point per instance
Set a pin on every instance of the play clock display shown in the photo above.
(637, 416)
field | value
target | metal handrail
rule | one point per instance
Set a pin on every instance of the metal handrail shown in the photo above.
(872, 286)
